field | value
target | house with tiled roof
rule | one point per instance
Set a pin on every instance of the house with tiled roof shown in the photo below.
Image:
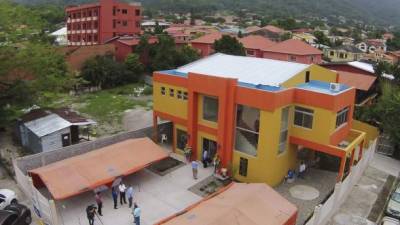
(204, 44)
(294, 51)
(344, 53)
(126, 45)
(254, 45)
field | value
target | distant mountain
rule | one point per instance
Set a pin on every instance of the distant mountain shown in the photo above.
(385, 12)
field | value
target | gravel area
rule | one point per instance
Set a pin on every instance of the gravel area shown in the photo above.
(323, 181)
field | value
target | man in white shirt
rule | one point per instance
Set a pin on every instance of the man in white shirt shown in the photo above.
(136, 214)
(302, 169)
(122, 189)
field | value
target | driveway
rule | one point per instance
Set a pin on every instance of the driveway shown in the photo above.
(158, 197)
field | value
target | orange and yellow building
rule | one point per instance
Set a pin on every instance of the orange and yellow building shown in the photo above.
(257, 114)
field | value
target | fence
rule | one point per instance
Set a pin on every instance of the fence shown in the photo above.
(323, 212)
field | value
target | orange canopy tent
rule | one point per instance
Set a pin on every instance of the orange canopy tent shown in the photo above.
(85, 172)
(240, 204)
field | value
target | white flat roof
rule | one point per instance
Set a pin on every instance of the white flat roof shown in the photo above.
(363, 66)
(62, 31)
(245, 69)
(47, 125)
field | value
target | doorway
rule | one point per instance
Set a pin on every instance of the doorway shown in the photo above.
(210, 146)
(66, 139)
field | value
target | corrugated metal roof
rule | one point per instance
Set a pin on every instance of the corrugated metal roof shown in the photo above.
(245, 69)
(47, 125)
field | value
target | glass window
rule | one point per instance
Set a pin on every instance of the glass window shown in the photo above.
(171, 92)
(185, 95)
(332, 53)
(284, 130)
(292, 58)
(250, 52)
(163, 90)
(181, 139)
(342, 117)
(247, 129)
(124, 23)
(243, 166)
(210, 108)
(179, 95)
(303, 117)
(137, 12)
(124, 11)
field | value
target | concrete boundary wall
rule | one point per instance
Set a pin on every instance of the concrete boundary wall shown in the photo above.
(41, 159)
(323, 212)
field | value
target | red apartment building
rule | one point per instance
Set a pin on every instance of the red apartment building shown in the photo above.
(96, 23)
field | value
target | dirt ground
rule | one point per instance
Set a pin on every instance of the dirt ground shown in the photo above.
(137, 118)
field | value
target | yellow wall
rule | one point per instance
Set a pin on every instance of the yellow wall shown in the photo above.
(200, 114)
(200, 136)
(348, 56)
(166, 103)
(371, 131)
(316, 73)
(268, 166)
(324, 124)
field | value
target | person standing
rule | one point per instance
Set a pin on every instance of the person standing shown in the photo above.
(205, 158)
(302, 169)
(195, 166)
(115, 197)
(122, 196)
(90, 211)
(99, 202)
(136, 214)
(216, 163)
(129, 193)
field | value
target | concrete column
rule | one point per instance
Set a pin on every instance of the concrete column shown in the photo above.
(341, 169)
(155, 128)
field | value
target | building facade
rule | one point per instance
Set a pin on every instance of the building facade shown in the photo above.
(96, 23)
(257, 115)
(345, 53)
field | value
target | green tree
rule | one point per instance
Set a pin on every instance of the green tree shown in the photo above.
(322, 38)
(285, 36)
(229, 45)
(134, 67)
(163, 55)
(158, 29)
(186, 54)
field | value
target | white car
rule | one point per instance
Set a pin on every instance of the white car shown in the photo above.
(389, 221)
(7, 197)
(393, 208)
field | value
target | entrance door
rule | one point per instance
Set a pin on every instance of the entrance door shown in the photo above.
(210, 146)
(66, 140)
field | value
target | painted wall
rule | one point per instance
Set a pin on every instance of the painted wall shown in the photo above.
(204, 49)
(122, 51)
(166, 103)
(347, 56)
(53, 141)
(305, 59)
(316, 73)
(268, 166)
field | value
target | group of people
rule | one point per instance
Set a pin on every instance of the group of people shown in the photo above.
(123, 192)
(206, 160)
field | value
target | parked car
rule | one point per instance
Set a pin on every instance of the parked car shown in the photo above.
(7, 197)
(389, 221)
(393, 208)
(15, 214)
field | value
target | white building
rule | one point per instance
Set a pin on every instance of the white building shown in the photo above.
(60, 36)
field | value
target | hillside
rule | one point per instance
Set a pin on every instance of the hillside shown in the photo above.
(384, 12)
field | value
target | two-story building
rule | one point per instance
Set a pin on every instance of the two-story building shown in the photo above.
(258, 114)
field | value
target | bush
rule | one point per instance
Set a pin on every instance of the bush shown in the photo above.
(148, 90)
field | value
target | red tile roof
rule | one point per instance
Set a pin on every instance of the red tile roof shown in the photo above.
(359, 81)
(135, 41)
(208, 38)
(295, 47)
(252, 29)
(274, 29)
(256, 42)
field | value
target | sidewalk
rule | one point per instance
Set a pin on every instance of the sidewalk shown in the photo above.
(158, 197)
(386, 164)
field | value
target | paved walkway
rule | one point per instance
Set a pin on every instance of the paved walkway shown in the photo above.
(158, 197)
(321, 180)
(386, 164)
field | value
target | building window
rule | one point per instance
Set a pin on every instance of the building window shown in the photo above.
(137, 12)
(90, 13)
(284, 130)
(247, 129)
(332, 53)
(95, 13)
(96, 24)
(124, 23)
(137, 24)
(243, 166)
(84, 14)
(210, 108)
(95, 38)
(124, 11)
(342, 117)
(250, 53)
(341, 55)
(185, 95)
(89, 38)
(307, 76)
(312, 58)
(181, 139)
(179, 95)
(163, 90)
(114, 11)
(292, 58)
(303, 117)
(171, 92)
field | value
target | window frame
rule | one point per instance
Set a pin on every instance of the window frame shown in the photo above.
(163, 91)
(179, 94)
(342, 117)
(284, 130)
(304, 112)
(243, 166)
(204, 108)
(185, 95)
